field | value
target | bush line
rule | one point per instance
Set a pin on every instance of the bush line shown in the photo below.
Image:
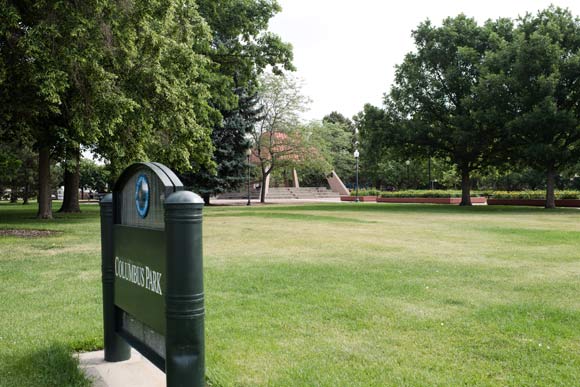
(537, 194)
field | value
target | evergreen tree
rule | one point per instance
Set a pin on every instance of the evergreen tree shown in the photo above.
(230, 141)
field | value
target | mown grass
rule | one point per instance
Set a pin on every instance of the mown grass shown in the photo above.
(326, 295)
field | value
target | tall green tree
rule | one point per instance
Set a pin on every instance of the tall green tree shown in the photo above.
(157, 51)
(542, 78)
(376, 129)
(128, 80)
(59, 89)
(436, 95)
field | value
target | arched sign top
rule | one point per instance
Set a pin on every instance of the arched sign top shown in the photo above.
(166, 175)
(140, 192)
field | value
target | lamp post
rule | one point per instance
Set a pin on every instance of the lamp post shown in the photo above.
(430, 181)
(356, 155)
(248, 154)
(408, 162)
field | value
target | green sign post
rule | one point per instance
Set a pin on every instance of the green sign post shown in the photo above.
(151, 239)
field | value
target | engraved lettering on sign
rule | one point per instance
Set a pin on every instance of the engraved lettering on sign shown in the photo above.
(138, 275)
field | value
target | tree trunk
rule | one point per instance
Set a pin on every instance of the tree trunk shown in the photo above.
(465, 187)
(26, 192)
(70, 202)
(263, 187)
(551, 182)
(44, 199)
(14, 193)
(205, 197)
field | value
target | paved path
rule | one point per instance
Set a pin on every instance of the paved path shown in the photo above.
(238, 202)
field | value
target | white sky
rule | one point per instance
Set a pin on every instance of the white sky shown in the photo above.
(346, 50)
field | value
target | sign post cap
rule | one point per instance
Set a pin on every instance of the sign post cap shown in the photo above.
(108, 198)
(183, 197)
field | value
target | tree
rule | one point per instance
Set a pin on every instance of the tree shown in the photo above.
(384, 153)
(58, 93)
(241, 43)
(329, 145)
(128, 80)
(339, 119)
(93, 176)
(339, 132)
(242, 48)
(17, 167)
(435, 98)
(157, 51)
(230, 150)
(277, 138)
(542, 77)
(376, 146)
(24, 95)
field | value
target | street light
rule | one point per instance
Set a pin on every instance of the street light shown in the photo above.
(249, 142)
(356, 155)
(248, 154)
(408, 162)
(430, 181)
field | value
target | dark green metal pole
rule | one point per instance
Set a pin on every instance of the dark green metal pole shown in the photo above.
(248, 180)
(356, 199)
(184, 299)
(116, 349)
(430, 181)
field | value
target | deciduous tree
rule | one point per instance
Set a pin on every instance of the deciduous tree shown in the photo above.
(436, 95)
(277, 136)
(542, 78)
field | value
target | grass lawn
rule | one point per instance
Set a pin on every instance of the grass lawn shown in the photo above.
(325, 295)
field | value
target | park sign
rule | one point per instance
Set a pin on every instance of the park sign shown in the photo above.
(153, 296)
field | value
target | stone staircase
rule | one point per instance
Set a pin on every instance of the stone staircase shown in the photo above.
(301, 193)
(254, 195)
(283, 193)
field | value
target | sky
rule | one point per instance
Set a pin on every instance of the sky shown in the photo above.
(346, 51)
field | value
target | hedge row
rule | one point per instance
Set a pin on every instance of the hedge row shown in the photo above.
(366, 192)
(457, 194)
(533, 195)
(411, 193)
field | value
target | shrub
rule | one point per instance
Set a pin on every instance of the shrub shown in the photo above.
(541, 195)
(425, 194)
(366, 192)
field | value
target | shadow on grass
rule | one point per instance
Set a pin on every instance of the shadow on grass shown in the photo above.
(52, 366)
(23, 215)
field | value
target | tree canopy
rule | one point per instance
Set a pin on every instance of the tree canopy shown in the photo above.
(131, 80)
(494, 95)
(541, 77)
(437, 99)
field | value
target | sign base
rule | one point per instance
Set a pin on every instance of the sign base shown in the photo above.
(135, 372)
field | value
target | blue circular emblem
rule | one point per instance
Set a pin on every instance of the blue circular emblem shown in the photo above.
(142, 195)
